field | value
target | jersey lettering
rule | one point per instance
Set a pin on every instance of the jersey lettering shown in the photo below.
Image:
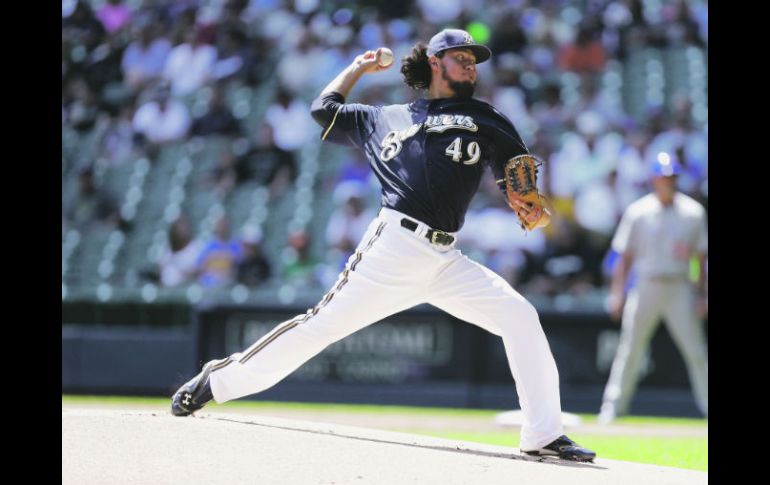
(455, 150)
(393, 141)
(441, 123)
(474, 151)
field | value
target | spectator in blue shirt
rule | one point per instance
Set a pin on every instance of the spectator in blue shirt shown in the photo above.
(219, 259)
(144, 59)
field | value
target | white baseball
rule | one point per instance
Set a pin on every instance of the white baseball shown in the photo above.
(386, 57)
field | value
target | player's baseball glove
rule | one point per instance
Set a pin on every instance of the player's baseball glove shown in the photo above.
(532, 208)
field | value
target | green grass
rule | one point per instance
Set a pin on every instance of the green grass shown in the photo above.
(681, 452)
(365, 409)
(651, 420)
(332, 408)
(368, 408)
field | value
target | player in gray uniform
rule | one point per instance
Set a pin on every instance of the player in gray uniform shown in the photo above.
(659, 234)
(429, 155)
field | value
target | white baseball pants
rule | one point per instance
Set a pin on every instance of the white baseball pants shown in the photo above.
(394, 269)
(646, 304)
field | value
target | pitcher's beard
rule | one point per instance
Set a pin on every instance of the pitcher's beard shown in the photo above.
(463, 89)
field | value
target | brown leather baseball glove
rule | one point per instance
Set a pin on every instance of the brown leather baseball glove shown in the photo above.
(532, 208)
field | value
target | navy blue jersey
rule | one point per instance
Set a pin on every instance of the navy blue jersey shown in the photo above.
(429, 155)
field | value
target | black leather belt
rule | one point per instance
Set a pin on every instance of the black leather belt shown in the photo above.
(434, 236)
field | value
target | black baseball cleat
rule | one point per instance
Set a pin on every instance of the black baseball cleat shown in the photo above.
(194, 394)
(566, 449)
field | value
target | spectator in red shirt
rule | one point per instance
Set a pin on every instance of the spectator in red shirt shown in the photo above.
(586, 54)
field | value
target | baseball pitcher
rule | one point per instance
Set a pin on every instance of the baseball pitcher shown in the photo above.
(429, 155)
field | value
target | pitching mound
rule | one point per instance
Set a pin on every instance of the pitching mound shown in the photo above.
(110, 446)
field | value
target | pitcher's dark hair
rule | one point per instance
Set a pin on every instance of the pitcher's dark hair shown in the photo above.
(415, 67)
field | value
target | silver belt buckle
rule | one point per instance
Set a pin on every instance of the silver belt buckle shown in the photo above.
(436, 234)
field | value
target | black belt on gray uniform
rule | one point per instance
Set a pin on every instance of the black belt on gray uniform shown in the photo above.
(434, 236)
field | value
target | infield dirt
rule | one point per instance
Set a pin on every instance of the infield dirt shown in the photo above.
(138, 446)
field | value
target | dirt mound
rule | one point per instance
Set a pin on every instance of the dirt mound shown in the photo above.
(116, 446)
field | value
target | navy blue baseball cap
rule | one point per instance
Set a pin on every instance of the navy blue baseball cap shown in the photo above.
(452, 38)
(666, 165)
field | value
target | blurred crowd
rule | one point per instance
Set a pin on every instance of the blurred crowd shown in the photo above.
(131, 68)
